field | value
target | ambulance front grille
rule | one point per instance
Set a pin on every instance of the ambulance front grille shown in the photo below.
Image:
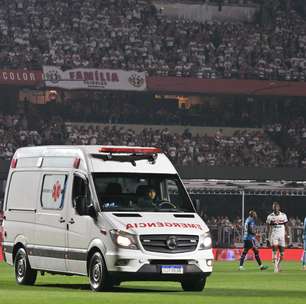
(169, 243)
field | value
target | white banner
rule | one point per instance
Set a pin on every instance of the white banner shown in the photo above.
(94, 79)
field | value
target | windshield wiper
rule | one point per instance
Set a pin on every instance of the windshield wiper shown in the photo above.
(120, 210)
(167, 210)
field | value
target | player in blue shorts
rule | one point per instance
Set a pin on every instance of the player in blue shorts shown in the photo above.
(304, 237)
(249, 240)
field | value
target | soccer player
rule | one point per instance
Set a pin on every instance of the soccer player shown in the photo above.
(278, 234)
(304, 237)
(249, 240)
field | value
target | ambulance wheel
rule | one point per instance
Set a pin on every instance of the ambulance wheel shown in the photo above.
(98, 276)
(25, 275)
(194, 284)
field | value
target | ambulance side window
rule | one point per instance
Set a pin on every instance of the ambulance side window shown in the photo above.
(53, 191)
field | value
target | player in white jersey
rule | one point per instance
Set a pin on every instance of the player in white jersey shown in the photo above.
(278, 234)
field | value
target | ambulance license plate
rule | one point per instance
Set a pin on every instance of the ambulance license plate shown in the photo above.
(172, 269)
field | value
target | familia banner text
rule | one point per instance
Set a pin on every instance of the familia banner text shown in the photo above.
(95, 79)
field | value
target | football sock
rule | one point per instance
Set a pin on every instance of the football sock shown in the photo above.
(258, 259)
(242, 258)
(304, 258)
(273, 256)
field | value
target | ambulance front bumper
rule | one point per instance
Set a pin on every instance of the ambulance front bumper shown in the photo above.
(136, 264)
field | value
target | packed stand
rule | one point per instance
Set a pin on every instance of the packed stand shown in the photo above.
(125, 34)
(243, 148)
(291, 137)
(16, 131)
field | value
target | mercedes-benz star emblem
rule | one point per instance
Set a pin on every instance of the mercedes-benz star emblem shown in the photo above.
(171, 242)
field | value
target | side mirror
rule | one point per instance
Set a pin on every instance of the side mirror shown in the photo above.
(91, 211)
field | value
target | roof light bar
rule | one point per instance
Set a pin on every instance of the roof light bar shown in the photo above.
(130, 150)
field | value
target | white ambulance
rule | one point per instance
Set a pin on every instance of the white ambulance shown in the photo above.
(110, 213)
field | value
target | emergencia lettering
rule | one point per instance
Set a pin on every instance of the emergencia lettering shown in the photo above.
(163, 224)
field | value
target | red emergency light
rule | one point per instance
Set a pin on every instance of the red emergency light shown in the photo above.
(76, 163)
(130, 150)
(14, 163)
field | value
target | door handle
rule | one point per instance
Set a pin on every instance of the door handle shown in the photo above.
(71, 221)
(62, 220)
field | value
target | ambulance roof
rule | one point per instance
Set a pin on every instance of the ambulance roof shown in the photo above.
(90, 158)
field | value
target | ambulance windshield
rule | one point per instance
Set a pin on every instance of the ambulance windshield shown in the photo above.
(141, 192)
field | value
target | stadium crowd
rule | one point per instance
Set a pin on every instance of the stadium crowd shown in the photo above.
(134, 35)
(278, 144)
(288, 131)
(15, 132)
(243, 148)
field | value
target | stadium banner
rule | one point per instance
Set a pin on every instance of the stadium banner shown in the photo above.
(21, 77)
(233, 254)
(94, 79)
(191, 85)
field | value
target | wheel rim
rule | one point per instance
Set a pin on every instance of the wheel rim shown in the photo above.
(96, 273)
(20, 268)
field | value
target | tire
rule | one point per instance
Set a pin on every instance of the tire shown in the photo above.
(24, 274)
(97, 273)
(197, 284)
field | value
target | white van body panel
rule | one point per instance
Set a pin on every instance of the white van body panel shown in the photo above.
(22, 205)
(59, 240)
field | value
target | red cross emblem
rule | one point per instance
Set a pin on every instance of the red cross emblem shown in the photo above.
(56, 192)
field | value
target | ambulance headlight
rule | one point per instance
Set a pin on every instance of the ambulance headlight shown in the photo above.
(123, 239)
(205, 241)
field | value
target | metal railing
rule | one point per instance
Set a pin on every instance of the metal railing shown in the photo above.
(227, 236)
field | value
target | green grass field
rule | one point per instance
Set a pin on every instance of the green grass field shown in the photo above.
(226, 285)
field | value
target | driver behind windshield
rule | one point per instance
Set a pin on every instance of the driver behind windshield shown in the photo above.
(147, 200)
